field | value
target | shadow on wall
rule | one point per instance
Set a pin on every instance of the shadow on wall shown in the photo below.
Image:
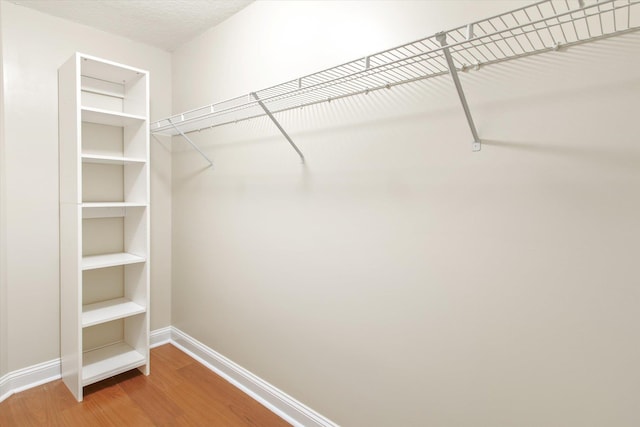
(596, 155)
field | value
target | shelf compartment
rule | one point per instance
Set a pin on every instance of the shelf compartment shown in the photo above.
(112, 86)
(110, 260)
(110, 160)
(543, 26)
(110, 118)
(105, 362)
(106, 311)
(117, 183)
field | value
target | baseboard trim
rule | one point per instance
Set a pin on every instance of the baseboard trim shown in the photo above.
(273, 398)
(160, 337)
(42, 373)
(268, 395)
(29, 377)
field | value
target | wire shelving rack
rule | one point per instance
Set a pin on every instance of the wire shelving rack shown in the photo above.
(540, 27)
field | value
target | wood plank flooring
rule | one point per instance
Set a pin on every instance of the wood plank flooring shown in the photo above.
(179, 392)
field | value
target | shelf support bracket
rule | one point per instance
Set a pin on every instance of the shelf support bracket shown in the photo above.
(280, 128)
(192, 143)
(442, 39)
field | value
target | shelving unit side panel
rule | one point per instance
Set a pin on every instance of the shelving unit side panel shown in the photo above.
(135, 283)
(136, 334)
(69, 125)
(142, 343)
(136, 183)
(71, 297)
(135, 138)
(137, 187)
(136, 100)
(136, 232)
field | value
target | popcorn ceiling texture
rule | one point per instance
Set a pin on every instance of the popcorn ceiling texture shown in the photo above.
(162, 23)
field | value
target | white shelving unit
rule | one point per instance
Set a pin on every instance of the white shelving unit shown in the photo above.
(104, 220)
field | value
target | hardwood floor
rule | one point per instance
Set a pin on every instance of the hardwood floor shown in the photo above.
(179, 392)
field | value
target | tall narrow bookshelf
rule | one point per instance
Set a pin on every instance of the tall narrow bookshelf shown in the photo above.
(104, 220)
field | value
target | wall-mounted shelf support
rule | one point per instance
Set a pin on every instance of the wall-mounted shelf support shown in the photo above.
(195, 147)
(442, 39)
(280, 128)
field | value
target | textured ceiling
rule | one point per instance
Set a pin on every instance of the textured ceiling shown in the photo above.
(163, 23)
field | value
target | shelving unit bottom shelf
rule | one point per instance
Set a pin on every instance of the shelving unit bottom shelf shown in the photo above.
(108, 361)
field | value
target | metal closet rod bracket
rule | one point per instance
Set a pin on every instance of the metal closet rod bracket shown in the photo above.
(442, 39)
(192, 143)
(280, 128)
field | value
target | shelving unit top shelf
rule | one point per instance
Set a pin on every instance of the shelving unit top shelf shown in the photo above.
(540, 27)
(109, 71)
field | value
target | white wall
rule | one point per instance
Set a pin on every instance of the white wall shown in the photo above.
(34, 46)
(399, 278)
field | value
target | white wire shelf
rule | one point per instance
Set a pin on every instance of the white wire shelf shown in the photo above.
(540, 27)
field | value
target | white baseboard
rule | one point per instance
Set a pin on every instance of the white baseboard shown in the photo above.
(274, 399)
(29, 377)
(160, 337)
(33, 376)
(271, 397)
